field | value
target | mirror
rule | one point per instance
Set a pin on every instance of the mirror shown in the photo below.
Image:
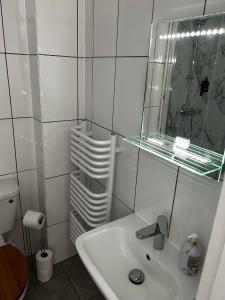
(185, 88)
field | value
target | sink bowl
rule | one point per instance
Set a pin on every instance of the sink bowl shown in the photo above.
(110, 252)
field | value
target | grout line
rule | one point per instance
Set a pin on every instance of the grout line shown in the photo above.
(57, 121)
(58, 55)
(174, 198)
(123, 136)
(15, 118)
(114, 195)
(52, 177)
(78, 103)
(143, 108)
(7, 174)
(113, 56)
(136, 179)
(93, 32)
(115, 70)
(92, 62)
(97, 56)
(124, 204)
(19, 172)
(57, 223)
(70, 282)
(27, 170)
(204, 8)
(14, 53)
(21, 54)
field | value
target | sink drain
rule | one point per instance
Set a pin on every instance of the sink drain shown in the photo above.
(136, 276)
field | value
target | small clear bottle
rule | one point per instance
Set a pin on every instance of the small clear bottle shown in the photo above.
(190, 255)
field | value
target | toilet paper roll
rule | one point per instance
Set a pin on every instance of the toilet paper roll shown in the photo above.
(34, 219)
(44, 264)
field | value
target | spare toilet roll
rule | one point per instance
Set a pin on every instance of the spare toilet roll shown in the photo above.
(44, 263)
(34, 219)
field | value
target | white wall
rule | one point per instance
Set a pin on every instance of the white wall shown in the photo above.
(17, 149)
(65, 63)
(57, 59)
(143, 183)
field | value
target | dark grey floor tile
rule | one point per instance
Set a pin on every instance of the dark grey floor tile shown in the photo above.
(57, 288)
(80, 278)
(58, 269)
(98, 297)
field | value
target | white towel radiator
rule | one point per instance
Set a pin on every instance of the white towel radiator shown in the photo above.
(94, 160)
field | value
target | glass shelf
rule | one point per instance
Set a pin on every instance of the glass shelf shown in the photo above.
(195, 159)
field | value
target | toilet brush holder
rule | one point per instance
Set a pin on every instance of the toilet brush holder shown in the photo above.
(44, 264)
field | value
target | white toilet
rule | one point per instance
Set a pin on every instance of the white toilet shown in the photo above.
(13, 264)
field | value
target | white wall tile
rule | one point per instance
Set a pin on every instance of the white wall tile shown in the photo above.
(15, 26)
(81, 27)
(195, 207)
(105, 27)
(20, 85)
(103, 90)
(5, 111)
(58, 84)
(12, 175)
(129, 95)
(81, 87)
(2, 47)
(85, 87)
(41, 192)
(31, 26)
(134, 27)
(215, 6)
(16, 236)
(57, 199)
(39, 147)
(7, 154)
(25, 143)
(100, 133)
(57, 27)
(29, 197)
(155, 187)
(57, 148)
(177, 9)
(35, 85)
(59, 241)
(85, 28)
(125, 173)
(119, 210)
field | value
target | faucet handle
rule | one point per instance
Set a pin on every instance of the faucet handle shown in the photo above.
(162, 222)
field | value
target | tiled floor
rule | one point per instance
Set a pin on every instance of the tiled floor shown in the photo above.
(71, 281)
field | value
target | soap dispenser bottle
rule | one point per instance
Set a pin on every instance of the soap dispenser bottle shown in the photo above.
(190, 255)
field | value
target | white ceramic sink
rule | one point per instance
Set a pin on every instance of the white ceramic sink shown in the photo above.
(110, 252)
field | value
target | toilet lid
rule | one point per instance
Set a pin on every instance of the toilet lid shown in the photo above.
(13, 273)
